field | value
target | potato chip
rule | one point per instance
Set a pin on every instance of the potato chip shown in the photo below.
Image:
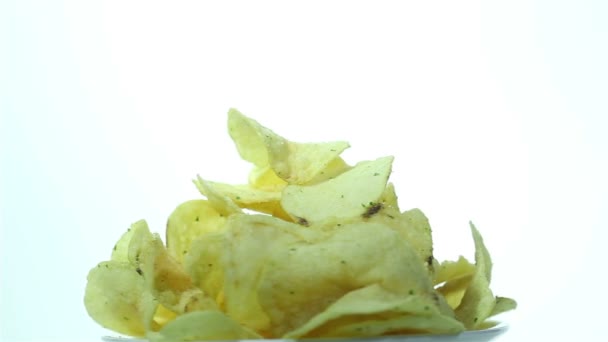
(247, 197)
(296, 163)
(168, 282)
(203, 264)
(352, 193)
(249, 240)
(221, 202)
(303, 276)
(377, 325)
(161, 316)
(264, 178)
(453, 291)
(188, 221)
(124, 294)
(202, 325)
(121, 248)
(113, 297)
(478, 301)
(372, 310)
(453, 270)
(389, 198)
(413, 226)
(336, 167)
(503, 304)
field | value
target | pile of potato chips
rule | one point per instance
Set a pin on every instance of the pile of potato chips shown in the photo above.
(310, 247)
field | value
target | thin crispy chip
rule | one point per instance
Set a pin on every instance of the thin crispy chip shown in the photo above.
(453, 270)
(296, 163)
(478, 301)
(503, 304)
(303, 277)
(264, 178)
(203, 264)
(373, 310)
(249, 241)
(187, 222)
(202, 325)
(353, 193)
(113, 297)
(222, 203)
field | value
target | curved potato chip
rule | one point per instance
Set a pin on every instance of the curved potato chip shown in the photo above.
(352, 193)
(161, 317)
(453, 291)
(478, 301)
(188, 221)
(245, 196)
(454, 278)
(121, 248)
(373, 310)
(249, 241)
(116, 293)
(113, 297)
(203, 264)
(302, 278)
(296, 163)
(370, 326)
(414, 227)
(125, 293)
(389, 197)
(453, 270)
(200, 326)
(222, 203)
(503, 304)
(166, 279)
(336, 167)
(265, 179)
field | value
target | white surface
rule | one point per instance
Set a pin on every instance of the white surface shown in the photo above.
(495, 112)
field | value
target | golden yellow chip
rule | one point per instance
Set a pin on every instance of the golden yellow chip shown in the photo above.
(413, 226)
(245, 196)
(336, 167)
(296, 163)
(453, 270)
(166, 279)
(264, 178)
(249, 241)
(353, 193)
(188, 221)
(454, 278)
(378, 325)
(289, 273)
(121, 248)
(221, 202)
(113, 298)
(373, 310)
(203, 264)
(478, 301)
(389, 198)
(202, 325)
(124, 294)
(503, 304)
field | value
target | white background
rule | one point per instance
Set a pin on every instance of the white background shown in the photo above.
(496, 112)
